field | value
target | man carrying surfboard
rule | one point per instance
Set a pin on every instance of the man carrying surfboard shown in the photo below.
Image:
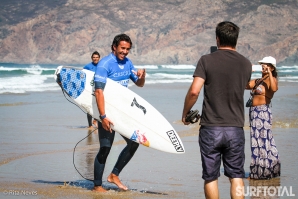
(92, 66)
(224, 75)
(119, 68)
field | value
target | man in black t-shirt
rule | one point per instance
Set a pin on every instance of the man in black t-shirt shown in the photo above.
(224, 75)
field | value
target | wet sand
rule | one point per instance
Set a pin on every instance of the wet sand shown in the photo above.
(38, 132)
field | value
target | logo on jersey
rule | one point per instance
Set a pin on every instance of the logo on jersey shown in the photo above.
(100, 78)
(134, 102)
(123, 82)
(121, 74)
(121, 66)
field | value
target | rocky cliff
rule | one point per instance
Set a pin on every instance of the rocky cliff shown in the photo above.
(163, 32)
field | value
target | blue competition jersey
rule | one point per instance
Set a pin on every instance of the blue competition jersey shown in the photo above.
(115, 69)
(91, 66)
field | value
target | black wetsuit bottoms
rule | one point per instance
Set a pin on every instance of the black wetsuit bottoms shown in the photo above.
(106, 140)
(89, 118)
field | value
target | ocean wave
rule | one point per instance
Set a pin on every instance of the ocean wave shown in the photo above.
(16, 78)
(33, 69)
(171, 76)
(2, 68)
(178, 67)
(27, 83)
(282, 67)
(288, 79)
(287, 71)
(168, 81)
(146, 66)
(174, 67)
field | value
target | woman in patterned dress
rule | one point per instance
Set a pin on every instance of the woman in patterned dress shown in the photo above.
(265, 163)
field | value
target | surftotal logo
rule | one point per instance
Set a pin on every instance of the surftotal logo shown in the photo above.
(175, 141)
(134, 102)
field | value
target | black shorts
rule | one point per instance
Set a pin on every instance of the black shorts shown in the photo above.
(226, 143)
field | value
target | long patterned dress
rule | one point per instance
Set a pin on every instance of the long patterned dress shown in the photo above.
(265, 163)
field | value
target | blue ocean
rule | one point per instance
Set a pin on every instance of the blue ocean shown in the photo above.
(22, 78)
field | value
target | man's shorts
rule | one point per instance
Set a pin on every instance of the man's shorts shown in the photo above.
(225, 142)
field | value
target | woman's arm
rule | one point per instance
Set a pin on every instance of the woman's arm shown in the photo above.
(273, 83)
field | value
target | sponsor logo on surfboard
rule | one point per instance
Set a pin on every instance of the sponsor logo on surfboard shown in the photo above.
(134, 102)
(175, 141)
(139, 137)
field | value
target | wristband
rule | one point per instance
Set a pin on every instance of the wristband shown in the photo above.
(102, 116)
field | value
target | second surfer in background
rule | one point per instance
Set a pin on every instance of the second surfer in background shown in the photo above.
(119, 68)
(92, 66)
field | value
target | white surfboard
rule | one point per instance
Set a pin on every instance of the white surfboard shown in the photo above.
(133, 116)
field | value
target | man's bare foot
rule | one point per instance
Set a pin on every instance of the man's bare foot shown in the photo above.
(99, 189)
(112, 178)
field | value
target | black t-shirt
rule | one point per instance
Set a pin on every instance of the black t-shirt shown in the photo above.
(226, 73)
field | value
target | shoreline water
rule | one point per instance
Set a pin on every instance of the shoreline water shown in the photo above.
(39, 131)
(22, 78)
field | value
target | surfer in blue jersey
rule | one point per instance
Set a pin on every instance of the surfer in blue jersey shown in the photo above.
(119, 68)
(92, 66)
(95, 59)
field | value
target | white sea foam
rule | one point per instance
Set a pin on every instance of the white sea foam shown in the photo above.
(27, 78)
(288, 79)
(288, 71)
(281, 67)
(27, 83)
(256, 75)
(177, 67)
(169, 81)
(147, 66)
(2, 68)
(171, 76)
(34, 69)
(29, 69)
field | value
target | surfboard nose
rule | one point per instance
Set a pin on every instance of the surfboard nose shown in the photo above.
(58, 78)
(57, 74)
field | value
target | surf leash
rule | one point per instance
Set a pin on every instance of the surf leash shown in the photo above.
(73, 155)
(59, 83)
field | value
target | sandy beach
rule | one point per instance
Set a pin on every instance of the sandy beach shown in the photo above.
(39, 130)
